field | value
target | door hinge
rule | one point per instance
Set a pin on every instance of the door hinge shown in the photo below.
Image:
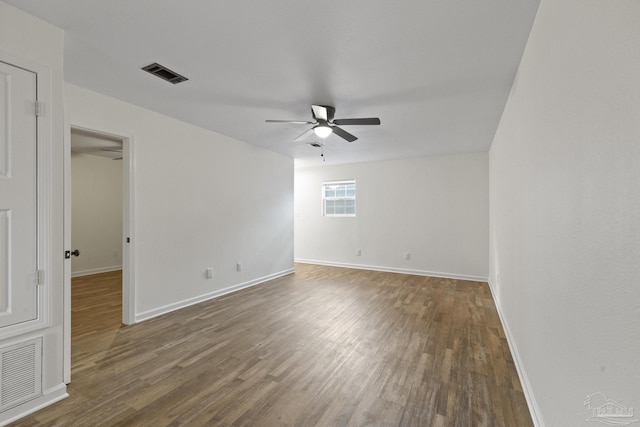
(39, 277)
(39, 108)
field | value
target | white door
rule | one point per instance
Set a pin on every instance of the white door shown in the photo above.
(18, 195)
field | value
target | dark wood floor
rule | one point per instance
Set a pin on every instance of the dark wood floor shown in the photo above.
(323, 347)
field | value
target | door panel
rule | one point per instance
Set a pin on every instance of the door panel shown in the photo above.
(18, 195)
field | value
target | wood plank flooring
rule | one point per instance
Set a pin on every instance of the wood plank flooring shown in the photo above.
(322, 347)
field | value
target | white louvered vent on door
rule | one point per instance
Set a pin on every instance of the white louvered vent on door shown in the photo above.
(20, 373)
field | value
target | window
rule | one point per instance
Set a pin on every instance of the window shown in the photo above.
(339, 198)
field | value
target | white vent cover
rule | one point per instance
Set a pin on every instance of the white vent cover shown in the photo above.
(20, 373)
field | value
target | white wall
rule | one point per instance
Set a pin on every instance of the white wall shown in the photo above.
(28, 39)
(565, 204)
(436, 208)
(202, 200)
(96, 213)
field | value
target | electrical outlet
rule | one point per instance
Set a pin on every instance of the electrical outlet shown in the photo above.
(358, 252)
(407, 256)
(209, 273)
(238, 266)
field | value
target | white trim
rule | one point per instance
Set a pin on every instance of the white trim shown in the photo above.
(95, 271)
(208, 296)
(128, 221)
(394, 270)
(45, 188)
(66, 238)
(49, 397)
(534, 409)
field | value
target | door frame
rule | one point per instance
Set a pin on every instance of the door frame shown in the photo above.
(128, 228)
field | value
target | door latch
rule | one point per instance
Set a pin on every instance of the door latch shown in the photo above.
(67, 254)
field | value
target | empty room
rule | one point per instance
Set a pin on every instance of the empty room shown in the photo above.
(283, 213)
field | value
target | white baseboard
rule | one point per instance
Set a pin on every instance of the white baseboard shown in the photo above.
(211, 295)
(49, 397)
(534, 410)
(95, 271)
(395, 270)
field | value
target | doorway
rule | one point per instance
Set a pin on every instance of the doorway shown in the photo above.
(96, 203)
(99, 166)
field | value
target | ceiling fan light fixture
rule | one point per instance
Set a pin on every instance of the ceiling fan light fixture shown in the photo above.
(322, 131)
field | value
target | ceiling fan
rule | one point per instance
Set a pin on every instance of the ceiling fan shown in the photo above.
(113, 150)
(324, 124)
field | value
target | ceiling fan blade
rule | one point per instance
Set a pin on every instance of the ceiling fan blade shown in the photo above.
(343, 134)
(323, 112)
(304, 134)
(319, 112)
(112, 150)
(367, 121)
(301, 122)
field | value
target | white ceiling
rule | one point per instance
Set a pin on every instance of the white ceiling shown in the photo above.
(86, 142)
(436, 72)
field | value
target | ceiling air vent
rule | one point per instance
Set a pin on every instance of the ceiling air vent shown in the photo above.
(164, 73)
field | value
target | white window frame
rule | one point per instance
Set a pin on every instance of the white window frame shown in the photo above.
(324, 198)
